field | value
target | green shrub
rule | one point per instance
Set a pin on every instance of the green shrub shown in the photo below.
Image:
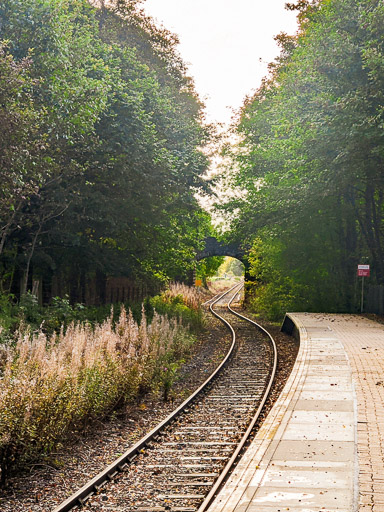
(30, 310)
(182, 302)
(8, 319)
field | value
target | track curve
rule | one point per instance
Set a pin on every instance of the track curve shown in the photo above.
(181, 464)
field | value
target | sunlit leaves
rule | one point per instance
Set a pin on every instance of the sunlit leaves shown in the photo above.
(118, 132)
(313, 143)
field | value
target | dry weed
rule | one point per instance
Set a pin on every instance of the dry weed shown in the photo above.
(51, 387)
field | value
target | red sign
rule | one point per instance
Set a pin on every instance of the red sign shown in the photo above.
(363, 271)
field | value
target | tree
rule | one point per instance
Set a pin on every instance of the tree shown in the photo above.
(312, 152)
(117, 134)
(19, 141)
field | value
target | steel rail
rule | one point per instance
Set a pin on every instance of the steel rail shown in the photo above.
(224, 474)
(91, 487)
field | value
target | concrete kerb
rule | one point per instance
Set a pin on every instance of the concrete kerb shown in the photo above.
(321, 358)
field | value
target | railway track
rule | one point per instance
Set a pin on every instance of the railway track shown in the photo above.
(181, 464)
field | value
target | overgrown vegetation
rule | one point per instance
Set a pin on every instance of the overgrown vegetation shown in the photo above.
(182, 302)
(310, 162)
(177, 301)
(58, 314)
(207, 268)
(101, 133)
(51, 386)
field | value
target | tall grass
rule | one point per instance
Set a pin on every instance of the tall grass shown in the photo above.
(183, 302)
(190, 295)
(50, 387)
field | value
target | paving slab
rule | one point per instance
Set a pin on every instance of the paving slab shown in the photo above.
(304, 456)
(363, 341)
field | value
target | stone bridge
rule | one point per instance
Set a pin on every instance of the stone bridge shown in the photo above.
(215, 248)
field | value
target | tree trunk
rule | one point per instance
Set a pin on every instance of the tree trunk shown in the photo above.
(31, 252)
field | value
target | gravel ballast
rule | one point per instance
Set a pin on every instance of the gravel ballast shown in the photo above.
(42, 486)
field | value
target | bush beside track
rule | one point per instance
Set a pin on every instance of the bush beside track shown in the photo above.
(54, 385)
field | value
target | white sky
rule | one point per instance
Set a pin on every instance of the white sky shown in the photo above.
(226, 43)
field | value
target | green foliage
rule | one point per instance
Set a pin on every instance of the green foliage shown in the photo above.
(176, 309)
(208, 267)
(181, 302)
(273, 292)
(230, 266)
(59, 314)
(29, 309)
(9, 319)
(310, 158)
(168, 375)
(101, 147)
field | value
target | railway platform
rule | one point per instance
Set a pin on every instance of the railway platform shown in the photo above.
(321, 447)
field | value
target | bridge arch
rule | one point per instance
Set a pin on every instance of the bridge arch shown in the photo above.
(215, 248)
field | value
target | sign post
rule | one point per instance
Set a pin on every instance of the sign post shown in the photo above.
(363, 271)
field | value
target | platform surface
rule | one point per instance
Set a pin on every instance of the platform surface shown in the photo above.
(321, 447)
